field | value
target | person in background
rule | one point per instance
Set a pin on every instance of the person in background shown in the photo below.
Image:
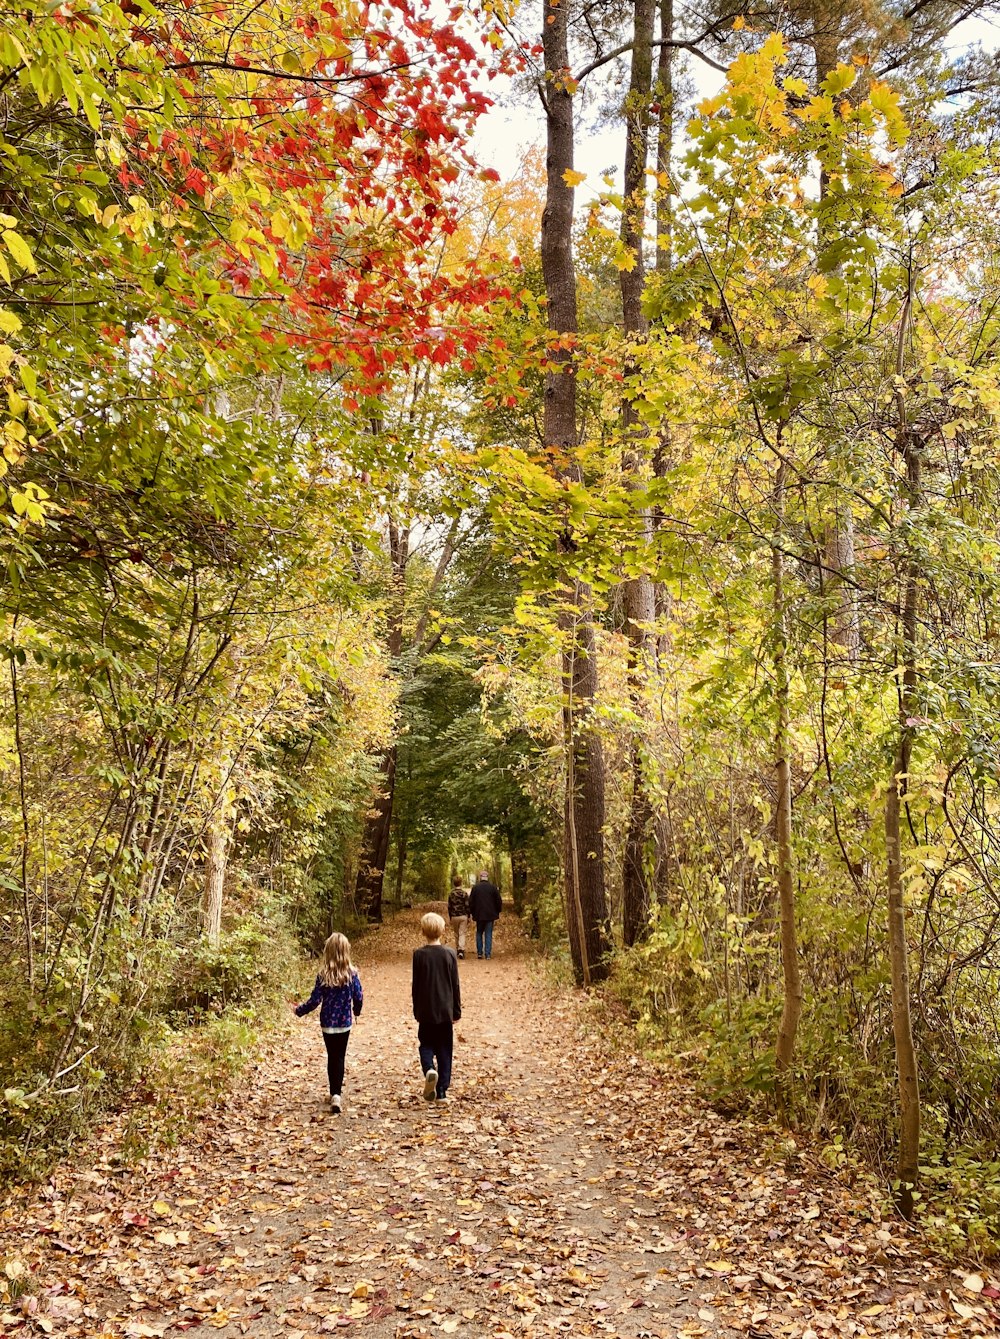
(485, 905)
(339, 995)
(458, 912)
(437, 1005)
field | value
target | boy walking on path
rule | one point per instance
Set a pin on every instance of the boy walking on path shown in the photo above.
(485, 905)
(458, 913)
(437, 1005)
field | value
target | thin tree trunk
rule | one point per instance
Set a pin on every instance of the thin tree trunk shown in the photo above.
(216, 864)
(518, 875)
(22, 790)
(791, 1009)
(401, 845)
(663, 454)
(378, 824)
(845, 624)
(375, 843)
(639, 595)
(907, 1075)
(585, 765)
(665, 139)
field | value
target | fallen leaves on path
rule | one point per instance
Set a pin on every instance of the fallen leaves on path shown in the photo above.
(568, 1187)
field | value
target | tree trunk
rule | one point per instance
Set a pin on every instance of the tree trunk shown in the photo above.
(378, 824)
(908, 1161)
(665, 139)
(518, 876)
(375, 843)
(792, 1002)
(663, 454)
(639, 594)
(401, 847)
(845, 625)
(585, 768)
(216, 863)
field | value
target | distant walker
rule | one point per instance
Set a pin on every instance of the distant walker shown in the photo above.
(485, 906)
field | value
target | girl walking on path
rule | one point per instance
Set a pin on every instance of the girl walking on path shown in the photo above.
(339, 996)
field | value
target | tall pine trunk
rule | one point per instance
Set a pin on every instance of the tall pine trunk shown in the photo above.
(586, 898)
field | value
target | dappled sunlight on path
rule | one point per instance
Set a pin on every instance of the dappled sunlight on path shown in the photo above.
(562, 1189)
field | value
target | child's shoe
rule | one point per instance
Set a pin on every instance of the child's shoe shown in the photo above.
(461, 952)
(430, 1085)
(335, 1104)
(442, 1097)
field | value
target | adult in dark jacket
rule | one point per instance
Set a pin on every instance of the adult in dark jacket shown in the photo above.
(437, 1004)
(485, 906)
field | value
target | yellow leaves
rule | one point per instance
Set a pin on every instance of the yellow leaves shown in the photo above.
(818, 285)
(739, 23)
(30, 503)
(884, 102)
(19, 249)
(773, 50)
(573, 178)
(166, 1238)
(625, 258)
(840, 79)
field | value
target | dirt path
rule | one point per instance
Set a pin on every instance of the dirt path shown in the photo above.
(563, 1190)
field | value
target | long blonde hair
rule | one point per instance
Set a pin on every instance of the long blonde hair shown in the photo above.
(337, 967)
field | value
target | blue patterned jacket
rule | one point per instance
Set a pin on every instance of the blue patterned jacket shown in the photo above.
(339, 1005)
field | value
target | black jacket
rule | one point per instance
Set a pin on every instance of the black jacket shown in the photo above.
(485, 902)
(437, 997)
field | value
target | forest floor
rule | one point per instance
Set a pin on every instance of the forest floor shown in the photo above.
(568, 1187)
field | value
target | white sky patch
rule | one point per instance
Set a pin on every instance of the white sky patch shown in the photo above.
(513, 128)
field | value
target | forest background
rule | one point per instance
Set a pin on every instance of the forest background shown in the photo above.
(368, 519)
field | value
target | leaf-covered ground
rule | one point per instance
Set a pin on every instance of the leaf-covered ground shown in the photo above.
(567, 1188)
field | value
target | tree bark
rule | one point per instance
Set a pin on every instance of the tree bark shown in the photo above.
(216, 863)
(518, 875)
(378, 824)
(375, 843)
(845, 625)
(791, 1010)
(585, 767)
(401, 848)
(907, 1074)
(639, 596)
(665, 139)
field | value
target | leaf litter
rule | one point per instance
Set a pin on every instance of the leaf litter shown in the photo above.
(568, 1187)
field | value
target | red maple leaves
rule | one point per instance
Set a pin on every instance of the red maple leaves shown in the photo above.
(336, 143)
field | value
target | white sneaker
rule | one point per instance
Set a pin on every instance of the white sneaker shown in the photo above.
(430, 1085)
(335, 1104)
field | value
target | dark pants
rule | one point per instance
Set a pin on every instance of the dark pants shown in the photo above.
(484, 938)
(336, 1049)
(437, 1045)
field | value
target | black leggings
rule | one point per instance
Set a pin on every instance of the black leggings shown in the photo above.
(336, 1050)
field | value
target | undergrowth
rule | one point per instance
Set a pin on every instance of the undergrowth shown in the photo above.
(164, 1062)
(842, 1085)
